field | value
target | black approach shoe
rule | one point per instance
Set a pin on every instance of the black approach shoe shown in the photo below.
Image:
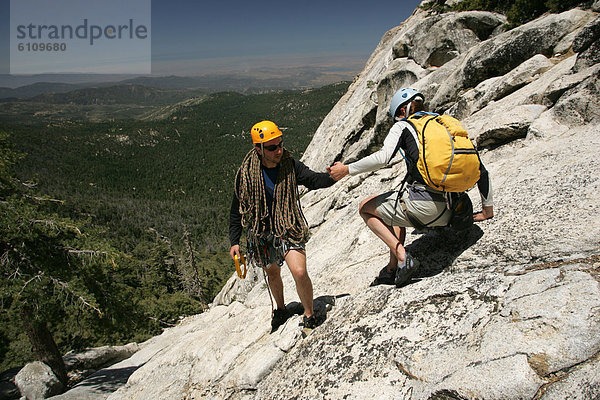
(279, 318)
(406, 270)
(310, 322)
(384, 278)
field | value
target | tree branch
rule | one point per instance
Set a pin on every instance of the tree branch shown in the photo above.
(53, 224)
(80, 299)
(15, 274)
(64, 287)
(91, 252)
(36, 198)
(161, 321)
(57, 283)
(36, 277)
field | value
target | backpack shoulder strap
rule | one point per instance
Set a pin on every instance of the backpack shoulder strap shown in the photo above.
(397, 149)
(412, 130)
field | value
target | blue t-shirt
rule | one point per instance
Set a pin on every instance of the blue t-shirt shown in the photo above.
(270, 175)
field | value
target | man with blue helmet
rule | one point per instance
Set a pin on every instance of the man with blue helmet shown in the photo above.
(388, 214)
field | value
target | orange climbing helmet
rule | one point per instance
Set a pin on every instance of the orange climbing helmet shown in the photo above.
(264, 131)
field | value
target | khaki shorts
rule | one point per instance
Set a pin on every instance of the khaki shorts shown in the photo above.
(422, 203)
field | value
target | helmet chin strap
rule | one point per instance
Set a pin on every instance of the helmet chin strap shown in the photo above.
(406, 112)
(262, 149)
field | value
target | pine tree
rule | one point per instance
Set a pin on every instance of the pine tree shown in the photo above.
(45, 261)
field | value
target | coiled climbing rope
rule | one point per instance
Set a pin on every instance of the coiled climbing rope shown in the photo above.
(287, 222)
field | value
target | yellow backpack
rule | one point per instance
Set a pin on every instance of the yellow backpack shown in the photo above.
(448, 160)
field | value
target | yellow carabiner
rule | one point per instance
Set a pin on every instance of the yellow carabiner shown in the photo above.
(237, 266)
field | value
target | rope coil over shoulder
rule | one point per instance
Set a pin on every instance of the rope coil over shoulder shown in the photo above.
(287, 222)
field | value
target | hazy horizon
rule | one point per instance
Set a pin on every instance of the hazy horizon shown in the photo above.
(196, 39)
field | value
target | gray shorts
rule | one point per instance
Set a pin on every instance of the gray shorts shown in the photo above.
(422, 203)
(275, 250)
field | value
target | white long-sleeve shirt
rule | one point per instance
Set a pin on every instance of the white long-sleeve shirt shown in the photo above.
(403, 134)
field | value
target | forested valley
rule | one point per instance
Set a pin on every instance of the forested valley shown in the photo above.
(113, 228)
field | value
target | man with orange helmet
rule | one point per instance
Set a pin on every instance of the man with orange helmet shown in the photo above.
(266, 204)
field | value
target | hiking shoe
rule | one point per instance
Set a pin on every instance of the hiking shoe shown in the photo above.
(384, 278)
(279, 318)
(310, 322)
(405, 270)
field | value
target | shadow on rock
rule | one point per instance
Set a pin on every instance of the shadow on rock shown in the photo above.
(322, 305)
(8, 389)
(108, 380)
(436, 250)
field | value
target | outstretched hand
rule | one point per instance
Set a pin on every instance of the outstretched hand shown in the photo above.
(338, 170)
(486, 213)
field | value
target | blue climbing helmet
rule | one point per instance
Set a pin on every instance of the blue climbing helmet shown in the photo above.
(402, 97)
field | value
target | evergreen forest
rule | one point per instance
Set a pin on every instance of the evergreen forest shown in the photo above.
(112, 230)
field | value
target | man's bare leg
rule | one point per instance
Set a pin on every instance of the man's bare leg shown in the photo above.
(296, 261)
(276, 284)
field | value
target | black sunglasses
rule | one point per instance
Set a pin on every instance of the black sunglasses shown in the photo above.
(273, 147)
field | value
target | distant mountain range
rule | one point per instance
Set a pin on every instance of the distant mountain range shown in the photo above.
(18, 87)
(35, 89)
(118, 94)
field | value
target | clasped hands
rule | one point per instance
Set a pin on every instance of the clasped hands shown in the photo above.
(337, 171)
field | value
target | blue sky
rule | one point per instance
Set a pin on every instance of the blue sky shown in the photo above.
(195, 37)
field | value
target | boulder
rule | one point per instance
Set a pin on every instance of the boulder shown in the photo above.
(508, 125)
(589, 34)
(580, 105)
(498, 87)
(587, 44)
(37, 381)
(566, 82)
(236, 289)
(83, 363)
(440, 38)
(515, 115)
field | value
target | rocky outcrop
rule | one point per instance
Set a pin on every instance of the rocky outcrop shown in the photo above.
(500, 86)
(447, 36)
(508, 309)
(36, 381)
(587, 44)
(81, 364)
(501, 54)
